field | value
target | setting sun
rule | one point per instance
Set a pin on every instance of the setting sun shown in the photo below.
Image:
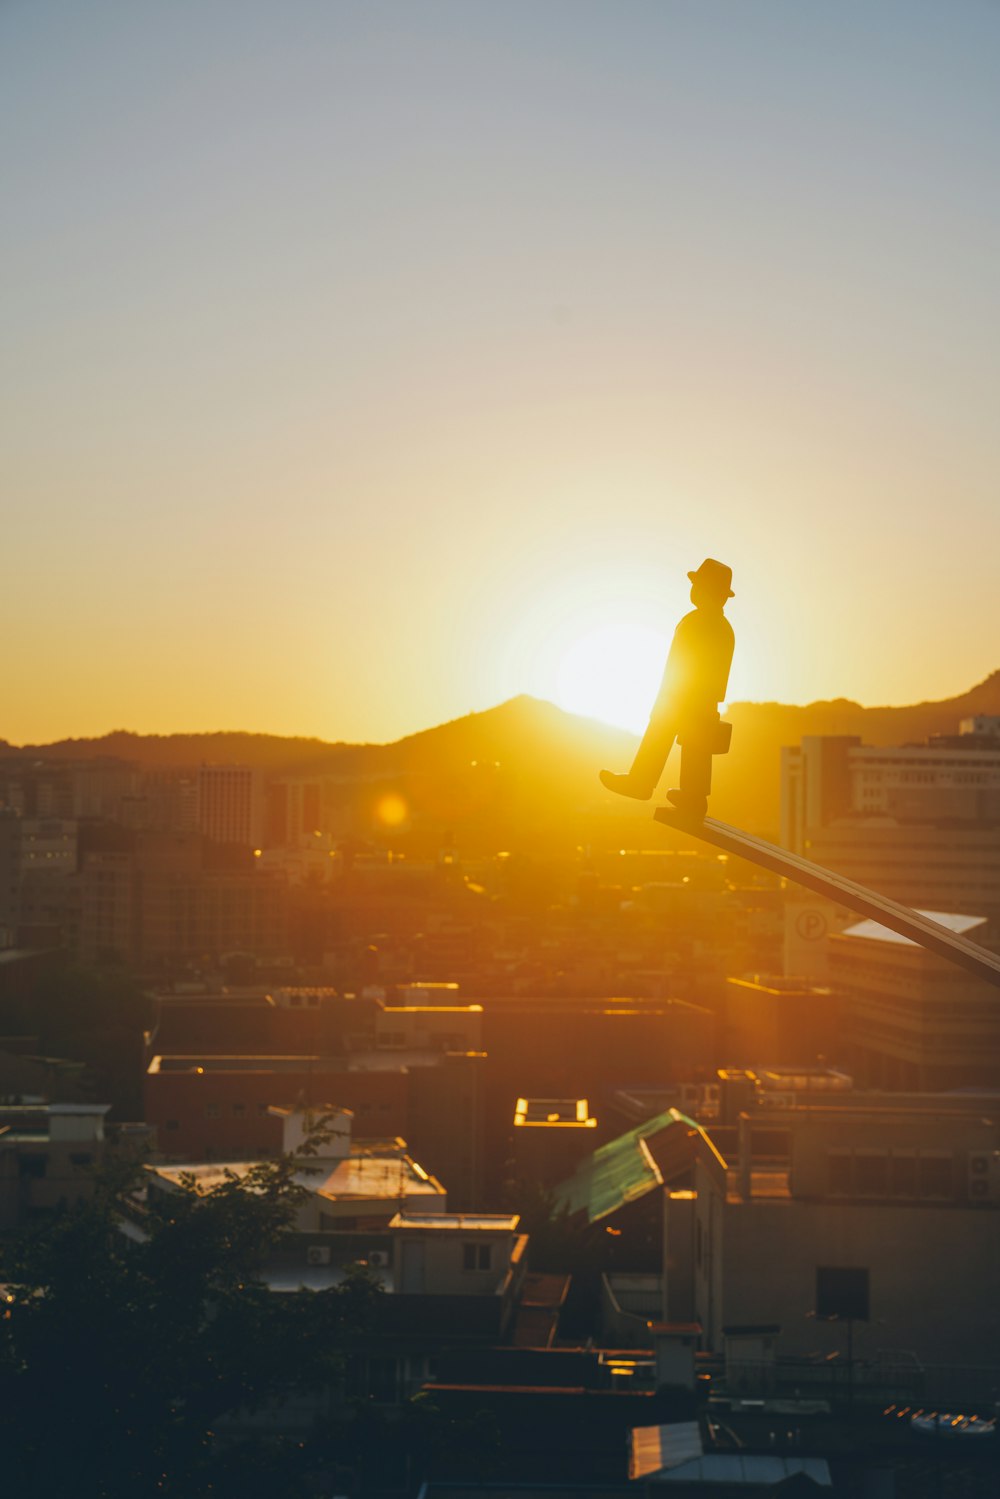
(612, 673)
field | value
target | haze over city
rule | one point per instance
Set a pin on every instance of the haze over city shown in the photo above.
(368, 365)
(500, 749)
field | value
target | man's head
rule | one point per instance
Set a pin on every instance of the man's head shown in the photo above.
(710, 585)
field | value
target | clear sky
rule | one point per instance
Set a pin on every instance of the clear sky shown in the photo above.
(368, 363)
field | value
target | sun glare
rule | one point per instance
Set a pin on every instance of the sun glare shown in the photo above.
(612, 673)
(392, 810)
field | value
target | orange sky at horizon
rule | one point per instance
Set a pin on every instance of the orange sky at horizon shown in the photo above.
(372, 370)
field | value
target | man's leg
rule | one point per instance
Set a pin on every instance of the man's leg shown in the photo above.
(647, 767)
(696, 780)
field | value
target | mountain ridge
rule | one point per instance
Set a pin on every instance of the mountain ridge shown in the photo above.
(984, 697)
(548, 757)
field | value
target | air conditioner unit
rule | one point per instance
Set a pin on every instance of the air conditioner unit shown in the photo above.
(984, 1176)
(318, 1254)
(377, 1259)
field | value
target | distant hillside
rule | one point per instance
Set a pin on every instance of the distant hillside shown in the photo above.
(523, 729)
(527, 765)
(521, 772)
(268, 751)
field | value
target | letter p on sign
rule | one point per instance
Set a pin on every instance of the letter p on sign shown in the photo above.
(810, 925)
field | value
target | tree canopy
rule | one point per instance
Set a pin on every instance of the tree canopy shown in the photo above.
(120, 1353)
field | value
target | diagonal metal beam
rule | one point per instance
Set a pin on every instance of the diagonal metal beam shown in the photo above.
(836, 887)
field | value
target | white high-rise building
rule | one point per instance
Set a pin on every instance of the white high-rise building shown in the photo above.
(919, 823)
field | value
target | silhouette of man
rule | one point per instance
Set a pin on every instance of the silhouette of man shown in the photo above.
(687, 705)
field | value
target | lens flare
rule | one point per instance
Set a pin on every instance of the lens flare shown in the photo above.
(392, 811)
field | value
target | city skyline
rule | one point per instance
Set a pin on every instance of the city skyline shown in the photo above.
(371, 367)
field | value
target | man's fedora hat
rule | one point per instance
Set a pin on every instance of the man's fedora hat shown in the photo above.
(715, 575)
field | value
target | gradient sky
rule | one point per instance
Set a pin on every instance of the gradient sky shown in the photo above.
(368, 363)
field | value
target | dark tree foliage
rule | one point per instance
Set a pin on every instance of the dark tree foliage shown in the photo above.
(393, 1450)
(118, 1358)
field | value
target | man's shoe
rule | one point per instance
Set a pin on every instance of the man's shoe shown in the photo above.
(625, 786)
(695, 808)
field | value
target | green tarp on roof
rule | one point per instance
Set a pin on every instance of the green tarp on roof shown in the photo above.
(621, 1171)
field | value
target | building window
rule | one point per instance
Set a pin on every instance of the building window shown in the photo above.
(871, 1175)
(935, 1176)
(32, 1166)
(839, 1172)
(477, 1256)
(239, 1110)
(333, 1223)
(262, 1108)
(82, 1158)
(903, 1174)
(842, 1293)
(212, 1111)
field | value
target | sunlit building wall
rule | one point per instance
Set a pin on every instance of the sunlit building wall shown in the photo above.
(157, 903)
(947, 867)
(912, 1020)
(920, 824)
(292, 810)
(902, 1203)
(230, 804)
(827, 778)
(98, 789)
(778, 1021)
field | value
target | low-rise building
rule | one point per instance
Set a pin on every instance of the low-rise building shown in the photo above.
(207, 1106)
(884, 1218)
(429, 1026)
(349, 1185)
(622, 1183)
(771, 1019)
(48, 1152)
(449, 1280)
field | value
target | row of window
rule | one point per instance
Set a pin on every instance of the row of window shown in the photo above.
(399, 1040)
(881, 1174)
(36, 1166)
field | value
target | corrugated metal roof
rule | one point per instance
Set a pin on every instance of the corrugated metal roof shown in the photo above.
(654, 1449)
(625, 1169)
(464, 1222)
(753, 1469)
(363, 1175)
